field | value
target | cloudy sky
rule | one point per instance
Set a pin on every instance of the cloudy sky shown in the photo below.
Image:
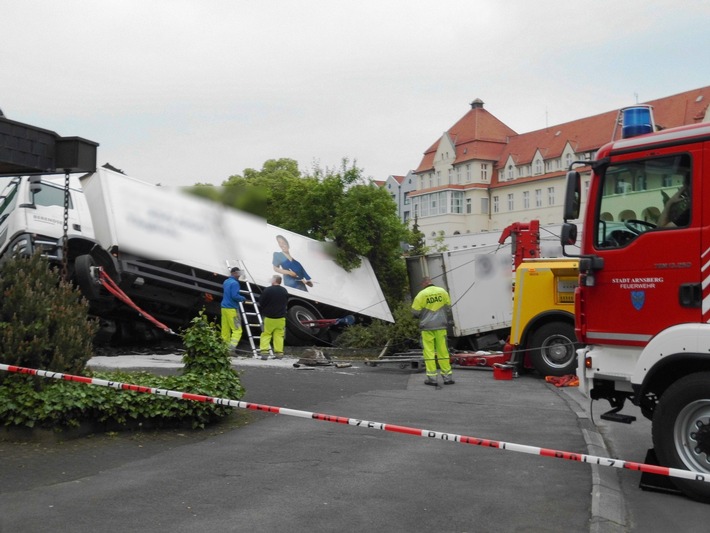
(184, 91)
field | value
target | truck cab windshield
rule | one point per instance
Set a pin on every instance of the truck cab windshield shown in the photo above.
(642, 195)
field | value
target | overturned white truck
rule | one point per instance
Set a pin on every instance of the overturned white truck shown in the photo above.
(170, 251)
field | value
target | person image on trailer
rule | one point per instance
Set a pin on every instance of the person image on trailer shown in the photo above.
(294, 275)
(431, 305)
(273, 303)
(231, 298)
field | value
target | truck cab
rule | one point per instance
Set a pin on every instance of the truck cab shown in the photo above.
(32, 218)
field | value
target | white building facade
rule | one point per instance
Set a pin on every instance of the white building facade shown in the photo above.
(481, 176)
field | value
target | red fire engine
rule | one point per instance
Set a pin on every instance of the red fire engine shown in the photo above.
(642, 307)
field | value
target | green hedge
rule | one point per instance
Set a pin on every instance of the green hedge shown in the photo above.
(44, 324)
(64, 404)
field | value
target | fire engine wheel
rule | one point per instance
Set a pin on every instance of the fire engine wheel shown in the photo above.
(681, 431)
(552, 349)
(296, 333)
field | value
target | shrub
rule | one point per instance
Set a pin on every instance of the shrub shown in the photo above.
(402, 334)
(43, 320)
(62, 404)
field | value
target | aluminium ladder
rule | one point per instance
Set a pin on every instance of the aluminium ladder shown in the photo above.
(253, 323)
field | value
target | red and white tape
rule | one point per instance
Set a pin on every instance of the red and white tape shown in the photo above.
(450, 437)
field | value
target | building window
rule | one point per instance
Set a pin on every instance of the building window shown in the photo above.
(550, 196)
(458, 174)
(484, 171)
(568, 160)
(468, 173)
(511, 202)
(406, 198)
(640, 182)
(456, 202)
(484, 206)
(451, 174)
(468, 206)
(510, 172)
(538, 166)
(496, 205)
(526, 199)
(538, 197)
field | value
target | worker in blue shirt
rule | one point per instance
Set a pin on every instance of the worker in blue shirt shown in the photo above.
(231, 321)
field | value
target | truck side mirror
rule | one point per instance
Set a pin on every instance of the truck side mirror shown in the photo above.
(573, 196)
(35, 184)
(568, 235)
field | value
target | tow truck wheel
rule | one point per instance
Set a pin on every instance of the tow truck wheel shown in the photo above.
(681, 431)
(553, 349)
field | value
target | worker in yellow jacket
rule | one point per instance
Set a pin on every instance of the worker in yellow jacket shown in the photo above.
(432, 306)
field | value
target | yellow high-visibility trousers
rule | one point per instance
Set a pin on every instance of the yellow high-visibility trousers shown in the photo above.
(435, 351)
(274, 328)
(231, 327)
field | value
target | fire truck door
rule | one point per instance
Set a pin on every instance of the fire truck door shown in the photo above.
(651, 274)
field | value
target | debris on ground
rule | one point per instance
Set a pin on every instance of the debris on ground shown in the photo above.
(313, 357)
(570, 380)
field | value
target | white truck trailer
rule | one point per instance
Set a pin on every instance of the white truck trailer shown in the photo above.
(170, 251)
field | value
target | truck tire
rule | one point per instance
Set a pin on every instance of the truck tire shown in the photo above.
(296, 333)
(553, 349)
(681, 431)
(99, 301)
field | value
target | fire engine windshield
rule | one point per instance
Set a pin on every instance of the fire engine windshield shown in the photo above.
(642, 195)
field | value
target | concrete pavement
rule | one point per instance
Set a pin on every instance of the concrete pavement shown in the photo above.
(337, 476)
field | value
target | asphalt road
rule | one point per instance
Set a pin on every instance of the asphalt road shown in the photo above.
(265, 472)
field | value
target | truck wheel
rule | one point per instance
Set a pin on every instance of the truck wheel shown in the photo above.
(553, 349)
(297, 334)
(681, 431)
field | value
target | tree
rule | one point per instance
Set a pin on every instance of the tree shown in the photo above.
(336, 205)
(439, 244)
(417, 240)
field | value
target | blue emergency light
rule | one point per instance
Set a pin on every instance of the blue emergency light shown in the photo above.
(637, 120)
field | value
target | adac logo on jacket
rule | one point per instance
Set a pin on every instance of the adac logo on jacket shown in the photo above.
(434, 298)
(638, 298)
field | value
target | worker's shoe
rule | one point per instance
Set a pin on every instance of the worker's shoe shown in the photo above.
(448, 380)
(430, 381)
(278, 355)
(264, 356)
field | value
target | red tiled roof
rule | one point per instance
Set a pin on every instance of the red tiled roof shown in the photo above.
(590, 133)
(477, 135)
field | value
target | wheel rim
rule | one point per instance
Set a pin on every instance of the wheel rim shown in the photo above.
(692, 435)
(557, 351)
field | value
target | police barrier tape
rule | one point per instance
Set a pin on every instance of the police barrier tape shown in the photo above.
(451, 437)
